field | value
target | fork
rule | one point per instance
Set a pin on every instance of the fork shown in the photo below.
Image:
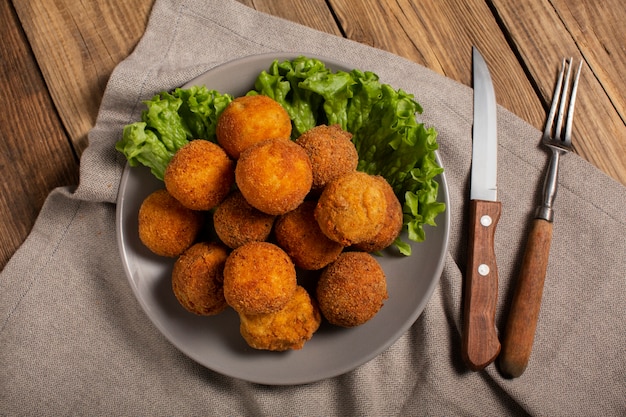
(522, 321)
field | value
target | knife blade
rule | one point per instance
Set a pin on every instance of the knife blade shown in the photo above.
(480, 343)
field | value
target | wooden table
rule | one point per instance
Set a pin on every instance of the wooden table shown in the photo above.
(57, 55)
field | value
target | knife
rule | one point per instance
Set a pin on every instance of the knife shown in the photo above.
(480, 344)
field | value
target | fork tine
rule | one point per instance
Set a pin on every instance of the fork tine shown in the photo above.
(570, 111)
(558, 132)
(547, 133)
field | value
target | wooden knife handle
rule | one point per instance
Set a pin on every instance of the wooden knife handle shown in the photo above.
(522, 321)
(480, 344)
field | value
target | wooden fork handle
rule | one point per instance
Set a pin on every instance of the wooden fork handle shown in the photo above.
(520, 328)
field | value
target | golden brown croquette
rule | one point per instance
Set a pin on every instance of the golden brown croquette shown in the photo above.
(236, 222)
(288, 328)
(166, 227)
(300, 236)
(352, 289)
(200, 175)
(259, 277)
(392, 225)
(251, 119)
(198, 280)
(352, 208)
(331, 151)
(274, 176)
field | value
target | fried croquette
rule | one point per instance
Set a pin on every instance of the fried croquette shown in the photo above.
(300, 236)
(352, 208)
(274, 176)
(288, 328)
(166, 227)
(352, 289)
(251, 119)
(200, 175)
(236, 222)
(197, 278)
(331, 151)
(392, 225)
(259, 277)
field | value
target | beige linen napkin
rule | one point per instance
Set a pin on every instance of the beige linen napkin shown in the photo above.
(74, 340)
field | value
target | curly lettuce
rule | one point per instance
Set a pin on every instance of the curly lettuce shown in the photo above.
(169, 122)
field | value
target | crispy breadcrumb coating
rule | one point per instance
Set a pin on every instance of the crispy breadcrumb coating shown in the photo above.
(274, 176)
(300, 236)
(200, 175)
(236, 222)
(352, 208)
(198, 280)
(259, 277)
(392, 224)
(288, 328)
(352, 289)
(251, 119)
(166, 227)
(331, 151)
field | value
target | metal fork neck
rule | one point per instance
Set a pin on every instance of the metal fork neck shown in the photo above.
(545, 211)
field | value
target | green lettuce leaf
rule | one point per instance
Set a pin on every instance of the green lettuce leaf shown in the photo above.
(168, 123)
(302, 105)
(142, 146)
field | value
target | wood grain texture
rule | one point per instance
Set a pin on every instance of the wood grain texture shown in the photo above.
(77, 45)
(439, 34)
(521, 324)
(544, 32)
(35, 154)
(599, 31)
(480, 343)
(312, 13)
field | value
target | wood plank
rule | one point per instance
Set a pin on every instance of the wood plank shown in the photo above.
(543, 32)
(312, 13)
(413, 30)
(77, 45)
(600, 33)
(35, 153)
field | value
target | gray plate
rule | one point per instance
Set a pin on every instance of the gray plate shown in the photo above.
(215, 341)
